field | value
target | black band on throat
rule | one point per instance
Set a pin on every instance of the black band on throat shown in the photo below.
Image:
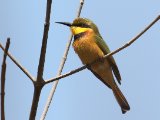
(79, 35)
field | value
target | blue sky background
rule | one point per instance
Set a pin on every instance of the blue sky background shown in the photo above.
(82, 96)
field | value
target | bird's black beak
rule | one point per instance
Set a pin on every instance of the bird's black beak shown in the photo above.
(65, 23)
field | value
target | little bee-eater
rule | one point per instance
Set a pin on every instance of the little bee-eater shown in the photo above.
(90, 46)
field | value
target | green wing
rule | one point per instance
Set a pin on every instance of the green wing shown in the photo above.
(101, 43)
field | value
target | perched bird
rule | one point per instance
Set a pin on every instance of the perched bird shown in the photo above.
(90, 46)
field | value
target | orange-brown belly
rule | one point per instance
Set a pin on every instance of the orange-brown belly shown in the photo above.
(87, 50)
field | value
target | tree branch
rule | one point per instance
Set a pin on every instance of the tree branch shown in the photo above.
(25, 71)
(3, 78)
(66, 74)
(44, 41)
(60, 68)
(39, 83)
(111, 53)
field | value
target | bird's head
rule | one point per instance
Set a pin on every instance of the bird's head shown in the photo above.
(81, 25)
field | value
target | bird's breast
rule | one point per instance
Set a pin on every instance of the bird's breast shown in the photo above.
(87, 49)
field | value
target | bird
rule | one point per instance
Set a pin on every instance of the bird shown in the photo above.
(90, 46)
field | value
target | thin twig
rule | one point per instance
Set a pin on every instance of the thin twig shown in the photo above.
(111, 53)
(80, 8)
(39, 83)
(60, 68)
(3, 78)
(25, 71)
(66, 74)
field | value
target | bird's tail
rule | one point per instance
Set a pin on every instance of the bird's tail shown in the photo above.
(120, 99)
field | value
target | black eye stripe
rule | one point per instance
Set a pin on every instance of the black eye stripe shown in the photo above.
(81, 25)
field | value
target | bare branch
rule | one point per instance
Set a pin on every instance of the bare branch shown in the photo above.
(66, 74)
(39, 83)
(44, 41)
(111, 53)
(25, 71)
(3, 78)
(80, 8)
(60, 68)
(135, 38)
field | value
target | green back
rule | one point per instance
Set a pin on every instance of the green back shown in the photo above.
(101, 43)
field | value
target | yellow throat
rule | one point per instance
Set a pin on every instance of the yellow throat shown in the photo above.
(76, 30)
